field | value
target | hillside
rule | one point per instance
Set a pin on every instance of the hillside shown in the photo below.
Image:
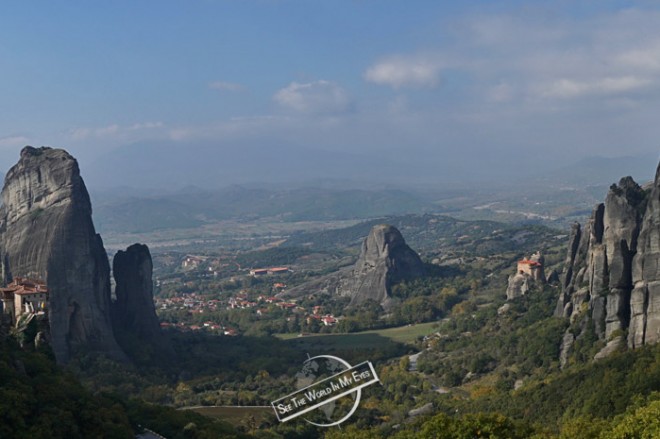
(198, 207)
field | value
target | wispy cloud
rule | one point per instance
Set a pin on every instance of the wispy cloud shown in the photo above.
(226, 86)
(570, 88)
(314, 97)
(114, 131)
(146, 126)
(403, 71)
(13, 141)
(519, 57)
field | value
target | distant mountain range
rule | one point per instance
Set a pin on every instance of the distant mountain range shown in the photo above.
(196, 207)
(166, 185)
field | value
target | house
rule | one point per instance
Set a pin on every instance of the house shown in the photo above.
(273, 270)
(532, 267)
(329, 320)
(285, 305)
(278, 270)
(526, 266)
(22, 296)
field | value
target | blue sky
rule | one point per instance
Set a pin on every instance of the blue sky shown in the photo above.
(423, 81)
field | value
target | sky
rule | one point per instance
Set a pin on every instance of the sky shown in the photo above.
(435, 86)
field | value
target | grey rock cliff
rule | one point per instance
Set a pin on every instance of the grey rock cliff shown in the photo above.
(645, 297)
(519, 285)
(604, 279)
(134, 313)
(46, 232)
(384, 260)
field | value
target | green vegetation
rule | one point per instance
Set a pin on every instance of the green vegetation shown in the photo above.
(38, 400)
(238, 416)
(401, 334)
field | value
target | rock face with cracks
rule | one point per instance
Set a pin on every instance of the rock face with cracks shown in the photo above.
(133, 312)
(47, 233)
(384, 260)
(611, 277)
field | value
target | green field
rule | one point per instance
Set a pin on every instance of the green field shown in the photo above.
(401, 334)
(235, 415)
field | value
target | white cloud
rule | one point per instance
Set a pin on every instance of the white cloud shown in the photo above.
(80, 133)
(109, 130)
(642, 58)
(146, 126)
(501, 93)
(314, 97)
(115, 131)
(13, 141)
(226, 86)
(529, 56)
(402, 71)
(569, 88)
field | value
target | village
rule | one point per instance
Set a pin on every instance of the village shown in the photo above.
(216, 312)
(208, 308)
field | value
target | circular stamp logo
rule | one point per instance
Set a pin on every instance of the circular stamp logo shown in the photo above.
(329, 391)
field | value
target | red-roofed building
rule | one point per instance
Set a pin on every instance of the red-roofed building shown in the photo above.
(24, 295)
(329, 320)
(258, 271)
(526, 266)
(278, 270)
(532, 267)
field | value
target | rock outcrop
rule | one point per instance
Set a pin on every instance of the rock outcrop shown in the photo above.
(645, 296)
(518, 286)
(133, 312)
(612, 272)
(529, 272)
(384, 260)
(46, 232)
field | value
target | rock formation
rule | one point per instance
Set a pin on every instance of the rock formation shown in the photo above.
(384, 260)
(133, 312)
(611, 274)
(528, 272)
(519, 285)
(46, 232)
(645, 296)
